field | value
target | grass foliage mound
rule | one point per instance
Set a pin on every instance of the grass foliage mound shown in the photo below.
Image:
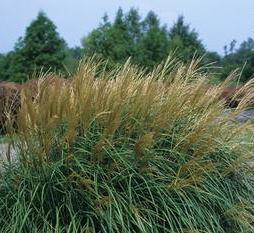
(127, 151)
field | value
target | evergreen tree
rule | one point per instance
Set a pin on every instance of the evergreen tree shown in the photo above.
(133, 23)
(72, 59)
(120, 39)
(4, 65)
(185, 41)
(145, 41)
(114, 42)
(154, 45)
(41, 47)
(98, 40)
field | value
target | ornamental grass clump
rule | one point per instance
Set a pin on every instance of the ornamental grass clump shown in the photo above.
(129, 151)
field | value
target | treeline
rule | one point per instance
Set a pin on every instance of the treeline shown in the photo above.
(146, 41)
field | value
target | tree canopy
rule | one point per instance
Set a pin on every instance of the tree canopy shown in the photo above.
(41, 48)
(242, 57)
(185, 40)
(145, 40)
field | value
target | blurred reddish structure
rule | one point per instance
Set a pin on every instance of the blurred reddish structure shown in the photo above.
(232, 96)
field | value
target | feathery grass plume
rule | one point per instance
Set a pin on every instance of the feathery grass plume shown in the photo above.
(129, 151)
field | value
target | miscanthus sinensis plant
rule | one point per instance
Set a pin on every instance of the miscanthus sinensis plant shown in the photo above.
(129, 151)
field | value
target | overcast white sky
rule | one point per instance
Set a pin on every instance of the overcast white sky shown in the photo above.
(217, 21)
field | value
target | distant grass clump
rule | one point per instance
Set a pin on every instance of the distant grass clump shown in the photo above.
(127, 151)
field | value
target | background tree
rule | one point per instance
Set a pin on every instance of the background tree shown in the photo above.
(98, 41)
(121, 39)
(115, 41)
(72, 59)
(134, 29)
(5, 61)
(145, 41)
(242, 57)
(185, 41)
(41, 48)
(154, 44)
